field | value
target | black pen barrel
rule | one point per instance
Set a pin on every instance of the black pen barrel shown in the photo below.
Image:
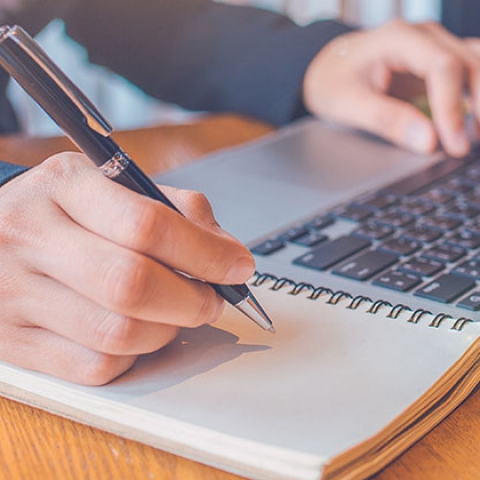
(135, 179)
(53, 100)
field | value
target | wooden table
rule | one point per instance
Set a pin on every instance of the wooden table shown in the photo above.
(38, 445)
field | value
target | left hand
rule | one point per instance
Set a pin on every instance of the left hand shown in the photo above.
(366, 80)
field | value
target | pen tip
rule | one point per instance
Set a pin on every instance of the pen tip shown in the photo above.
(253, 310)
(272, 330)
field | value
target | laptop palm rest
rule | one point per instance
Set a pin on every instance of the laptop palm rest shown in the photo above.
(293, 174)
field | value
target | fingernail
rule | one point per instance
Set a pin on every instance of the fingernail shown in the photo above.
(418, 137)
(241, 271)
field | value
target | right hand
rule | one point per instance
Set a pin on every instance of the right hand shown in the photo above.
(368, 79)
(88, 277)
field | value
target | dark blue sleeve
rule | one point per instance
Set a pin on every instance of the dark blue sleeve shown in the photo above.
(462, 17)
(202, 54)
(9, 171)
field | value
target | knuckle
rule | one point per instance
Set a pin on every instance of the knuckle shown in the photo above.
(97, 370)
(12, 232)
(115, 334)
(55, 172)
(198, 200)
(431, 25)
(398, 24)
(127, 283)
(59, 166)
(447, 62)
(198, 205)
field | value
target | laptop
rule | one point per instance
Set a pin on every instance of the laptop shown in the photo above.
(328, 208)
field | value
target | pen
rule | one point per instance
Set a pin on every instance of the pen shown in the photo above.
(38, 75)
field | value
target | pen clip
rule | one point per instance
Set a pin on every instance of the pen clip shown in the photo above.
(92, 116)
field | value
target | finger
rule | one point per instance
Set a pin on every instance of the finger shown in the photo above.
(446, 103)
(195, 206)
(121, 280)
(473, 44)
(88, 324)
(448, 40)
(390, 118)
(43, 351)
(444, 72)
(469, 52)
(147, 226)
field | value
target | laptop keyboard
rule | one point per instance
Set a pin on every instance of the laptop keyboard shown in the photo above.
(420, 235)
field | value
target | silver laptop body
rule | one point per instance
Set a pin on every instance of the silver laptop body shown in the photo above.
(270, 188)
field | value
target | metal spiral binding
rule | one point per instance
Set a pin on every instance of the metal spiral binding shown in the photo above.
(357, 301)
(337, 296)
(334, 297)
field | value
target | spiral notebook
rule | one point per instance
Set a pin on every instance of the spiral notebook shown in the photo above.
(356, 373)
(344, 386)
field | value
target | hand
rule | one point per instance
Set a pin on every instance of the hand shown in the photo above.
(364, 79)
(87, 280)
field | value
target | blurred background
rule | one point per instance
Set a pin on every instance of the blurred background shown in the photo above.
(127, 107)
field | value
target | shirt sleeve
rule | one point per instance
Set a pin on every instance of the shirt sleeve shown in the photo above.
(204, 55)
(9, 171)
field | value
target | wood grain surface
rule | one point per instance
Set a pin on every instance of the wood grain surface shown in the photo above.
(156, 149)
(38, 445)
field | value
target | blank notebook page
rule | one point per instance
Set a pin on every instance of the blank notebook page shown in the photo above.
(272, 406)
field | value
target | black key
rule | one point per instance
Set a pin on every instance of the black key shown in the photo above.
(422, 233)
(446, 288)
(268, 247)
(464, 210)
(311, 239)
(437, 196)
(401, 246)
(474, 227)
(332, 252)
(465, 239)
(473, 172)
(378, 202)
(445, 253)
(470, 268)
(374, 231)
(320, 222)
(443, 222)
(416, 206)
(396, 280)
(422, 266)
(473, 198)
(456, 185)
(366, 265)
(472, 302)
(354, 213)
(293, 233)
(396, 218)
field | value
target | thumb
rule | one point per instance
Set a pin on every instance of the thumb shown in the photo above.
(393, 119)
